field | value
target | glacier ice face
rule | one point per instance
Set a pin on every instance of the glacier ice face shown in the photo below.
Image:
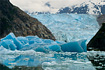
(41, 45)
(70, 27)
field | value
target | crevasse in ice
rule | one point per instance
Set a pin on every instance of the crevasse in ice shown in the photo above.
(41, 45)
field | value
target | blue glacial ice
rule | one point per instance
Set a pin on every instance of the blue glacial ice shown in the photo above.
(79, 46)
(12, 37)
(41, 45)
(70, 27)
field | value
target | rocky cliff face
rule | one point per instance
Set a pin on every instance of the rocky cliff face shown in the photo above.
(12, 19)
(98, 41)
(101, 19)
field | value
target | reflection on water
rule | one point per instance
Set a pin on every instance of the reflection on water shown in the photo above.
(48, 61)
(3, 67)
(98, 59)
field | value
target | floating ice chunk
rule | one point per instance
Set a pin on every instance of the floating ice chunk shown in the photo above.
(41, 49)
(41, 45)
(34, 39)
(56, 48)
(8, 44)
(18, 44)
(60, 42)
(31, 42)
(23, 40)
(48, 41)
(11, 36)
(79, 46)
(83, 44)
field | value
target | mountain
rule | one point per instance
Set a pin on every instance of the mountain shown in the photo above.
(85, 8)
(101, 19)
(12, 19)
(98, 41)
(4, 67)
(96, 7)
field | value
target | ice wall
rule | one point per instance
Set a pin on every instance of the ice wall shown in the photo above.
(70, 27)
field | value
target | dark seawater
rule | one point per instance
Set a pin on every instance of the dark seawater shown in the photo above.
(97, 58)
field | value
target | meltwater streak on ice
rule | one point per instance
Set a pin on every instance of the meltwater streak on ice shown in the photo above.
(70, 27)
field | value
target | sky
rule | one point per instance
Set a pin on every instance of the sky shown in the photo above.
(51, 6)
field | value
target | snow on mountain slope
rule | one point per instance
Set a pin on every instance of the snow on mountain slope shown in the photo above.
(61, 6)
(70, 27)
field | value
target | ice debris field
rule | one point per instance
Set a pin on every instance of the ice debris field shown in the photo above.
(12, 42)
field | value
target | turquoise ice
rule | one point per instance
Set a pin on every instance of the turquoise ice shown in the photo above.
(41, 45)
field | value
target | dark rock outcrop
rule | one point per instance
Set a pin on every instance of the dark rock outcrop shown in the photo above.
(98, 41)
(27, 68)
(101, 19)
(12, 19)
(3, 67)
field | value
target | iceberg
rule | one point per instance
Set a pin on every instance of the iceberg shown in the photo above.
(41, 45)
(23, 40)
(78, 46)
(8, 44)
(11, 36)
(56, 48)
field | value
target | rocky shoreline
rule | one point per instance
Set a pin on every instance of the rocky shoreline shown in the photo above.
(3, 67)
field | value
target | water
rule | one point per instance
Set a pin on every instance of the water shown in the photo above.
(55, 60)
(48, 61)
(98, 59)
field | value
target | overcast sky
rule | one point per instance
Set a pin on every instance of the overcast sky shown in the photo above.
(50, 5)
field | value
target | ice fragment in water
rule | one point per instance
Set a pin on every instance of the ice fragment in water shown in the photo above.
(41, 45)
(78, 46)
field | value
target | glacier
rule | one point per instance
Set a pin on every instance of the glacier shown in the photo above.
(70, 27)
(41, 45)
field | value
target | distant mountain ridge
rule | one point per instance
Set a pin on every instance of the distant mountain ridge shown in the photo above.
(95, 7)
(84, 10)
(12, 19)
